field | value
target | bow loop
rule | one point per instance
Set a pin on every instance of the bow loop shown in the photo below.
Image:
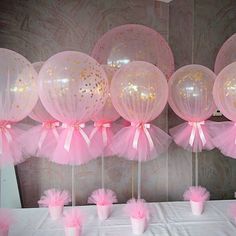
(103, 126)
(197, 127)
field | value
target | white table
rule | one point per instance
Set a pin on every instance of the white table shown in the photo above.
(167, 219)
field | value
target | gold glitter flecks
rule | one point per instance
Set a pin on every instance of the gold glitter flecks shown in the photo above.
(50, 71)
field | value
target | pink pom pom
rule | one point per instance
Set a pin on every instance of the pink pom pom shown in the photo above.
(196, 194)
(137, 209)
(6, 219)
(232, 210)
(103, 197)
(74, 218)
(54, 197)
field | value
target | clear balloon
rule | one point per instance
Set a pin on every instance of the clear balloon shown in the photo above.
(226, 54)
(190, 93)
(108, 113)
(132, 42)
(18, 90)
(73, 86)
(139, 91)
(39, 113)
(224, 91)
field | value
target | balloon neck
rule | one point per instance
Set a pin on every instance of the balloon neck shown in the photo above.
(5, 124)
(51, 124)
(75, 125)
(99, 124)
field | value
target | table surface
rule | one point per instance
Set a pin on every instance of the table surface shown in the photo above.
(167, 219)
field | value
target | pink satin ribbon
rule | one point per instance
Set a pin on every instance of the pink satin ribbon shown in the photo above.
(46, 127)
(71, 129)
(196, 126)
(104, 127)
(4, 131)
(139, 127)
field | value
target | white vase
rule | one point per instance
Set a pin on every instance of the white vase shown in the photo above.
(55, 211)
(138, 226)
(103, 211)
(72, 231)
(4, 232)
(197, 207)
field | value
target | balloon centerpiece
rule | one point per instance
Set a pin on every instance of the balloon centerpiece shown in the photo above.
(73, 87)
(190, 97)
(18, 96)
(139, 93)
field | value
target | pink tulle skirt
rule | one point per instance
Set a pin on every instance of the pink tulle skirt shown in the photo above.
(78, 153)
(11, 150)
(182, 133)
(225, 138)
(122, 143)
(98, 145)
(40, 141)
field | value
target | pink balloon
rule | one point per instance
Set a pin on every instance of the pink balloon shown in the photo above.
(18, 90)
(108, 113)
(73, 86)
(139, 91)
(226, 54)
(39, 113)
(224, 91)
(134, 42)
(190, 93)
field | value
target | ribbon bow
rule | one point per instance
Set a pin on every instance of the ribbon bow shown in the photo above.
(104, 127)
(46, 127)
(4, 131)
(196, 126)
(71, 129)
(144, 127)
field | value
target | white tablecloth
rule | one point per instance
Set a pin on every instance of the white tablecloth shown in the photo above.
(167, 219)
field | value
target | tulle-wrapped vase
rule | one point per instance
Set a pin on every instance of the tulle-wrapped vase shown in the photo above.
(197, 207)
(6, 219)
(195, 136)
(232, 211)
(138, 225)
(141, 143)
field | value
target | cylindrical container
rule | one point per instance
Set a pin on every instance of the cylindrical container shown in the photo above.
(4, 232)
(197, 207)
(55, 211)
(138, 226)
(103, 211)
(73, 231)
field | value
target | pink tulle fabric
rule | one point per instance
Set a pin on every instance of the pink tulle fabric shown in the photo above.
(74, 218)
(101, 138)
(41, 140)
(10, 144)
(54, 197)
(137, 209)
(196, 194)
(102, 197)
(183, 133)
(78, 153)
(225, 139)
(122, 144)
(6, 219)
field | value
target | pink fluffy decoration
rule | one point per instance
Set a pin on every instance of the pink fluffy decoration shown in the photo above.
(232, 210)
(122, 143)
(226, 145)
(41, 140)
(6, 219)
(102, 197)
(201, 140)
(101, 138)
(78, 153)
(137, 209)
(73, 218)
(54, 197)
(11, 152)
(196, 194)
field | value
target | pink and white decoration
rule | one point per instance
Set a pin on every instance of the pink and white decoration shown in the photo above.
(6, 220)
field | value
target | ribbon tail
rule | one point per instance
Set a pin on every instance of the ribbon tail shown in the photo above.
(69, 139)
(192, 136)
(55, 133)
(42, 138)
(136, 138)
(85, 137)
(201, 134)
(94, 131)
(104, 136)
(149, 138)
